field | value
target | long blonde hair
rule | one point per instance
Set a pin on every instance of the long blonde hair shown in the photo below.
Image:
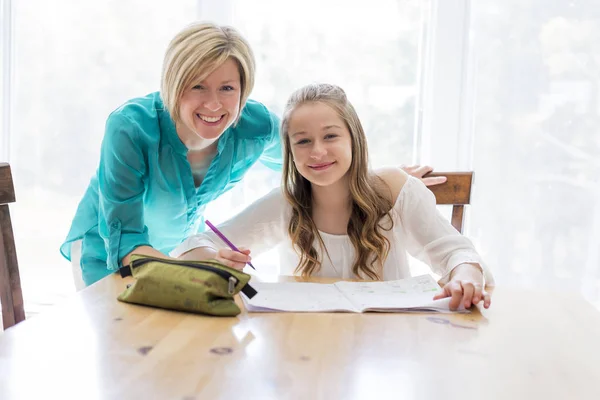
(369, 204)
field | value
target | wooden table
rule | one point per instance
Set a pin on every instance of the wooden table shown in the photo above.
(529, 345)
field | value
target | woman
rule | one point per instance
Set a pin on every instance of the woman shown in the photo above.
(166, 155)
(339, 219)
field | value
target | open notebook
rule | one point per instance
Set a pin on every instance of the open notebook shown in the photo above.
(405, 295)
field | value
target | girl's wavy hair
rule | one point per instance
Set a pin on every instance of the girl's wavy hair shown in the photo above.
(369, 204)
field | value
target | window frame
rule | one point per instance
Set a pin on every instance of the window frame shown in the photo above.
(445, 118)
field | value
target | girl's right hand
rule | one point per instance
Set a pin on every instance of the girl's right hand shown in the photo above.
(234, 259)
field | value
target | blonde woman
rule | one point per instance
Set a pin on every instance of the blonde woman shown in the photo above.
(166, 155)
(337, 218)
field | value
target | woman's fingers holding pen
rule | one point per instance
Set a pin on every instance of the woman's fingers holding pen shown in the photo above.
(234, 259)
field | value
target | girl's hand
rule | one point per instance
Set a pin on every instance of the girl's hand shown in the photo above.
(234, 259)
(465, 286)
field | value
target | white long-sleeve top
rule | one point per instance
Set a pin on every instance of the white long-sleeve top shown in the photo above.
(419, 229)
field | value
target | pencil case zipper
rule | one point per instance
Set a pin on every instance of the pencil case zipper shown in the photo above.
(229, 277)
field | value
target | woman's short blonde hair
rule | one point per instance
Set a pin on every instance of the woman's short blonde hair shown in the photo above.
(197, 51)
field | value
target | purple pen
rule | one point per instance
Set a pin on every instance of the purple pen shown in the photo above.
(223, 238)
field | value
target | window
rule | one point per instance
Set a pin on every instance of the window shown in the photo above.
(536, 143)
(74, 62)
(508, 89)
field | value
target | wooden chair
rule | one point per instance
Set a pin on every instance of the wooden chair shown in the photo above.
(11, 296)
(456, 191)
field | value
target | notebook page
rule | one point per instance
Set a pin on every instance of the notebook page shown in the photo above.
(296, 297)
(399, 295)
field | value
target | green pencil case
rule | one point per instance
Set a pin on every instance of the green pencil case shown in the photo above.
(202, 287)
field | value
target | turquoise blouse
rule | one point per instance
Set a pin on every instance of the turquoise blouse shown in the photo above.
(143, 192)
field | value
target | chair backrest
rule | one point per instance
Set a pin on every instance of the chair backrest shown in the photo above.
(456, 191)
(11, 296)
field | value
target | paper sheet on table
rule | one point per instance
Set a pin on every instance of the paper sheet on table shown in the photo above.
(405, 295)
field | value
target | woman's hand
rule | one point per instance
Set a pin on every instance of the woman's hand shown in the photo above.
(234, 259)
(466, 287)
(419, 171)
